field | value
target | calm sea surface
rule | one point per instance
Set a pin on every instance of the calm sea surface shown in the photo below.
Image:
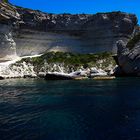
(70, 110)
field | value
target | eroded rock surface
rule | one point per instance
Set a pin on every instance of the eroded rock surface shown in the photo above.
(129, 59)
(30, 32)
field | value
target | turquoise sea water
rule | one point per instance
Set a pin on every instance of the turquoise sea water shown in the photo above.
(70, 110)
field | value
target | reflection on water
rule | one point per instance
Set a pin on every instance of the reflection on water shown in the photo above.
(70, 110)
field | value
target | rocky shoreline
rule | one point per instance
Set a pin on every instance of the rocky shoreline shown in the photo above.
(62, 64)
(27, 32)
(25, 70)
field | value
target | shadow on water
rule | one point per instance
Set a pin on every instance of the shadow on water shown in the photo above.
(70, 110)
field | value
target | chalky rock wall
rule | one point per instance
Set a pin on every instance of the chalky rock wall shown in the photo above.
(29, 32)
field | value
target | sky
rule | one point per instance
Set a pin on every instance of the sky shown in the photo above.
(81, 6)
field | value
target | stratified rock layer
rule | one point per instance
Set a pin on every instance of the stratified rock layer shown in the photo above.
(32, 32)
(129, 59)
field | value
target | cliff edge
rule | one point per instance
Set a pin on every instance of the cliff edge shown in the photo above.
(28, 32)
(129, 57)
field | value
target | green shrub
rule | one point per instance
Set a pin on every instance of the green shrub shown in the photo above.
(72, 59)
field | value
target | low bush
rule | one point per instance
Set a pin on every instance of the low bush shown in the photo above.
(72, 59)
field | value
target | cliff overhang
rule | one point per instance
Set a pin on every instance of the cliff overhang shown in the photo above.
(27, 32)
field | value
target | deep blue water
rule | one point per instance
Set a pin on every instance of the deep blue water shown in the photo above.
(70, 110)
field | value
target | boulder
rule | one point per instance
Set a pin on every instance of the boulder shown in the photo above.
(128, 59)
(1, 78)
(58, 76)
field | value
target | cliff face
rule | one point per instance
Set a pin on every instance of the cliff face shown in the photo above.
(128, 59)
(27, 32)
(8, 19)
